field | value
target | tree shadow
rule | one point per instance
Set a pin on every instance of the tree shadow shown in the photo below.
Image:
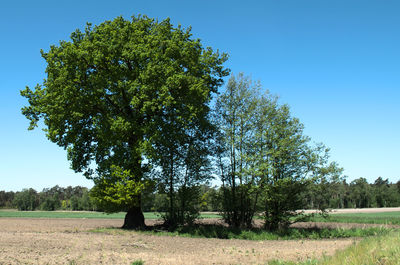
(222, 231)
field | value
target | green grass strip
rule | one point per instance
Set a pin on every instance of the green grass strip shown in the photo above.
(68, 214)
(213, 231)
(80, 214)
(363, 218)
(380, 249)
(383, 249)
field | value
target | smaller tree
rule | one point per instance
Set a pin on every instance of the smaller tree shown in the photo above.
(264, 157)
(235, 112)
(180, 155)
(290, 165)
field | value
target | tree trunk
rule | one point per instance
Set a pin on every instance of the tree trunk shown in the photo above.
(134, 219)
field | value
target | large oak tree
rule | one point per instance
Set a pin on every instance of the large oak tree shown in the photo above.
(106, 93)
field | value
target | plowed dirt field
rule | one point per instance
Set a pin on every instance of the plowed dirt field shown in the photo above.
(70, 241)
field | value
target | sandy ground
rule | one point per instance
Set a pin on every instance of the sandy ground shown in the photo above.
(69, 241)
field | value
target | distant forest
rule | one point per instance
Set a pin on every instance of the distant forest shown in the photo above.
(356, 194)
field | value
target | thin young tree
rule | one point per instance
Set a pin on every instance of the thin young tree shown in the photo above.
(235, 110)
(181, 158)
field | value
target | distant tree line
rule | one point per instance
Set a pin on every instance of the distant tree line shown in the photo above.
(335, 195)
(356, 194)
(56, 198)
(327, 195)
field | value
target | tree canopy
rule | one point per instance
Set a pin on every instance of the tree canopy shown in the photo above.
(110, 88)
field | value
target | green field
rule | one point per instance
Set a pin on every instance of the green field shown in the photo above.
(67, 214)
(79, 214)
(362, 218)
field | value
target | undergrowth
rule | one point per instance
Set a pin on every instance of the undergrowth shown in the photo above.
(221, 232)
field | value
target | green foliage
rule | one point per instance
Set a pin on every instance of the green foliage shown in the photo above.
(138, 262)
(382, 192)
(149, 196)
(83, 202)
(186, 207)
(50, 204)
(26, 200)
(117, 191)
(282, 198)
(6, 199)
(235, 110)
(288, 164)
(161, 203)
(210, 199)
(181, 161)
(361, 193)
(55, 198)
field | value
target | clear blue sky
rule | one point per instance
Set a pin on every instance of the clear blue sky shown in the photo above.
(336, 63)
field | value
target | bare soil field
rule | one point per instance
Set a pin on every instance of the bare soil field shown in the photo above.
(69, 241)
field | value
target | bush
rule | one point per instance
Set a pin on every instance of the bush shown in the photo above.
(185, 207)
